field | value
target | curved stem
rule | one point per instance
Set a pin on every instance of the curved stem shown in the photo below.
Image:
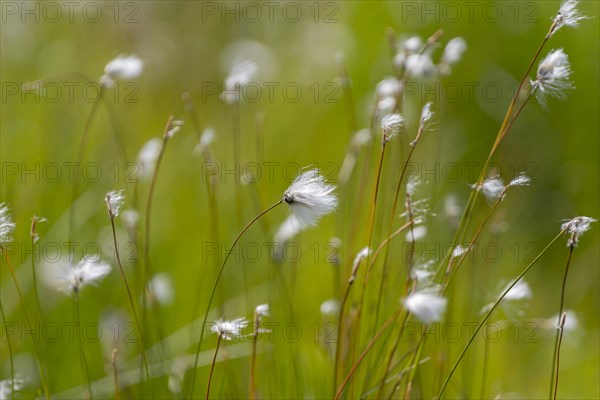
(487, 315)
(214, 288)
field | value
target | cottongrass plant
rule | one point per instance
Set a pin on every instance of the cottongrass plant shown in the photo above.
(71, 279)
(309, 198)
(574, 228)
(7, 227)
(114, 201)
(225, 330)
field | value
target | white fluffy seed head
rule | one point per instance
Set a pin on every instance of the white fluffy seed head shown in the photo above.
(310, 198)
(359, 258)
(454, 50)
(575, 228)
(520, 291)
(160, 289)
(492, 188)
(262, 310)
(206, 139)
(568, 15)
(330, 307)
(114, 201)
(122, 68)
(70, 279)
(391, 124)
(230, 330)
(553, 76)
(7, 226)
(420, 66)
(426, 305)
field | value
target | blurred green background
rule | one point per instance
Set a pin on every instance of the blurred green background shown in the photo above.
(187, 47)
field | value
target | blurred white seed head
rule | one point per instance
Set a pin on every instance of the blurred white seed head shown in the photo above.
(310, 198)
(358, 259)
(520, 291)
(147, 158)
(426, 305)
(230, 330)
(458, 251)
(70, 279)
(160, 289)
(262, 310)
(416, 233)
(422, 272)
(206, 139)
(388, 87)
(454, 50)
(426, 115)
(553, 76)
(9, 386)
(7, 226)
(122, 68)
(391, 124)
(130, 219)
(242, 73)
(412, 184)
(288, 229)
(330, 307)
(575, 228)
(492, 188)
(420, 66)
(114, 201)
(361, 138)
(568, 15)
(407, 47)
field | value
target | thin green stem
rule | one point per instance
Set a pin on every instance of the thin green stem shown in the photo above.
(81, 148)
(84, 367)
(212, 367)
(559, 331)
(41, 370)
(214, 288)
(487, 315)
(369, 346)
(10, 353)
(130, 297)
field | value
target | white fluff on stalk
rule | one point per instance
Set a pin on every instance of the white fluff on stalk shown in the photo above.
(420, 66)
(454, 50)
(70, 279)
(114, 201)
(391, 124)
(576, 227)
(206, 139)
(122, 68)
(230, 330)
(553, 76)
(7, 226)
(309, 197)
(568, 15)
(426, 305)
